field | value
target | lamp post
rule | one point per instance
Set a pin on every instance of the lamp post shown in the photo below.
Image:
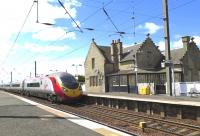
(76, 66)
(11, 77)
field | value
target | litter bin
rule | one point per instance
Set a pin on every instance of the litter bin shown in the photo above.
(145, 90)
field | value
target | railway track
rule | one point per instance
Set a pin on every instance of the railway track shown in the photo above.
(172, 127)
(126, 120)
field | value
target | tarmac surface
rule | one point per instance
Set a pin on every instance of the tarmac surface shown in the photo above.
(22, 117)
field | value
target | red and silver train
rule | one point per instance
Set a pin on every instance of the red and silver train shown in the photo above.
(57, 87)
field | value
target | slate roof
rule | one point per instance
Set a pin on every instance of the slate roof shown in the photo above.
(177, 55)
(128, 52)
(105, 50)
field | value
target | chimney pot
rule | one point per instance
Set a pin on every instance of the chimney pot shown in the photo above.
(186, 39)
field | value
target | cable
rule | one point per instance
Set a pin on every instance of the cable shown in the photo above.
(68, 53)
(18, 34)
(104, 10)
(133, 22)
(158, 15)
(182, 5)
(70, 16)
(96, 11)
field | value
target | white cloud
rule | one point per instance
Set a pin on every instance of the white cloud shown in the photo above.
(161, 45)
(63, 65)
(173, 45)
(13, 14)
(177, 36)
(151, 28)
(43, 49)
(5, 48)
(177, 44)
(197, 40)
(51, 34)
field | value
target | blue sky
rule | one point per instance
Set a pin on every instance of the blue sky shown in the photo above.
(59, 46)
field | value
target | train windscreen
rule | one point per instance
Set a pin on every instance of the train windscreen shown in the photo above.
(69, 81)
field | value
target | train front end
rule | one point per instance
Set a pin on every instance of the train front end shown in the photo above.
(69, 88)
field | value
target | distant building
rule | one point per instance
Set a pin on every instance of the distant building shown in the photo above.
(114, 68)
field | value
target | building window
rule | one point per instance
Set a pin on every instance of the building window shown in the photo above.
(123, 80)
(132, 80)
(115, 81)
(93, 63)
(90, 81)
(93, 80)
(100, 81)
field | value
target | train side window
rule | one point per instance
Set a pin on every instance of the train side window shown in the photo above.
(41, 82)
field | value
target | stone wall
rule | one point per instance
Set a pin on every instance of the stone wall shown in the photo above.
(98, 70)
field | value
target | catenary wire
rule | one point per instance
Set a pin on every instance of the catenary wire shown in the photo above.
(18, 34)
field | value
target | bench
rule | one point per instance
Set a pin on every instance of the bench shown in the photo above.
(194, 92)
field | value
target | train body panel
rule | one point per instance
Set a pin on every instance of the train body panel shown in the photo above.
(16, 87)
(41, 85)
(60, 86)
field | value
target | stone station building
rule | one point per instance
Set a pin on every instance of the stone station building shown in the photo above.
(117, 69)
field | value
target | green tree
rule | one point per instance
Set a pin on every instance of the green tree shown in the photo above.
(81, 78)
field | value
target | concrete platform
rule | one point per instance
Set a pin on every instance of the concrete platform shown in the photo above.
(178, 100)
(181, 107)
(22, 117)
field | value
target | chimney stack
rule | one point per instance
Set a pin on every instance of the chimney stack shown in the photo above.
(186, 40)
(116, 53)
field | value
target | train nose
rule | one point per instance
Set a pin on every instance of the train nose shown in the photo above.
(71, 92)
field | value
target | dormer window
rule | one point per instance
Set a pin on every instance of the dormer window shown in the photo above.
(93, 63)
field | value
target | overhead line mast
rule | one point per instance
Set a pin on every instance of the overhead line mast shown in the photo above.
(167, 46)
